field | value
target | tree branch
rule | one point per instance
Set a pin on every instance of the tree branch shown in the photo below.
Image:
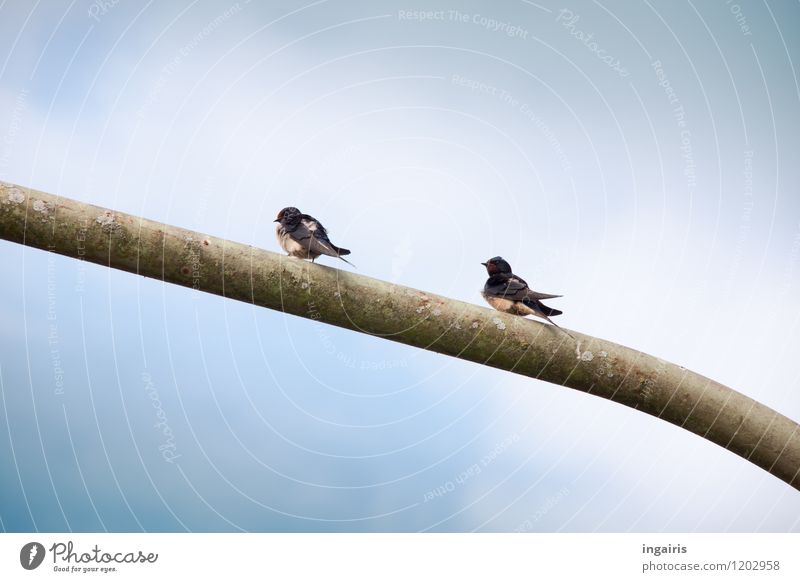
(424, 320)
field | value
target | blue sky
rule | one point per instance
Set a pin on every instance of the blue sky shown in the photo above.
(639, 159)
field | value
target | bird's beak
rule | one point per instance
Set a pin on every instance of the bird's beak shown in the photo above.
(484, 264)
(277, 220)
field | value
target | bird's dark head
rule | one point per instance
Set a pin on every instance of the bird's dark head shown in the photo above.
(289, 215)
(497, 265)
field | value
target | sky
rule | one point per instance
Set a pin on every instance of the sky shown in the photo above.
(639, 159)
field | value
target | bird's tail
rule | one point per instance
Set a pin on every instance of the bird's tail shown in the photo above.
(340, 251)
(537, 305)
(549, 310)
(558, 326)
(346, 261)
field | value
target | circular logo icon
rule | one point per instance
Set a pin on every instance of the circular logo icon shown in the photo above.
(31, 555)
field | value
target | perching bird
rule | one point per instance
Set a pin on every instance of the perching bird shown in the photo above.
(508, 293)
(304, 237)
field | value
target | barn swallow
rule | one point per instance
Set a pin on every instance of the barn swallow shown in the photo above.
(508, 293)
(304, 237)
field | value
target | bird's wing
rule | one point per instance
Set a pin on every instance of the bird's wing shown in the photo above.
(508, 288)
(315, 238)
(535, 295)
(526, 292)
(323, 246)
(516, 289)
(320, 241)
(314, 225)
(540, 307)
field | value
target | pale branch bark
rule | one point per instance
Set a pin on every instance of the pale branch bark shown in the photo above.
(424, 320)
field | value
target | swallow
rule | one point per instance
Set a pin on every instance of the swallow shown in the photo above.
(304, 237)
(508, 293)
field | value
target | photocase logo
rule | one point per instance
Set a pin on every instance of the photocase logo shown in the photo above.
(31, 555)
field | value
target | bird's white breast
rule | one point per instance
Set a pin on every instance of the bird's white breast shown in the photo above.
(499, 303)
(288, 244)
(508, 306)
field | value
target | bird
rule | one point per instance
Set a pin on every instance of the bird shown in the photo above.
(304, 237)
(508, 293)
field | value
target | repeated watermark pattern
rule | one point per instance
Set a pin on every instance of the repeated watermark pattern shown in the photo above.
(14, 126)
(80, 241)
(504, 69)
(100, 8)
(738, 15)
(491, 24)
(52, 325)
(525, 109)
(745, 222)
(568, 19)
(679, 115)
(175, 62)
(472, 471)
(168, 448)
(549, 503)
(346, 359)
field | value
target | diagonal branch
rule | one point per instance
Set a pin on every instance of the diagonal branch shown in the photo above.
(424, 320)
